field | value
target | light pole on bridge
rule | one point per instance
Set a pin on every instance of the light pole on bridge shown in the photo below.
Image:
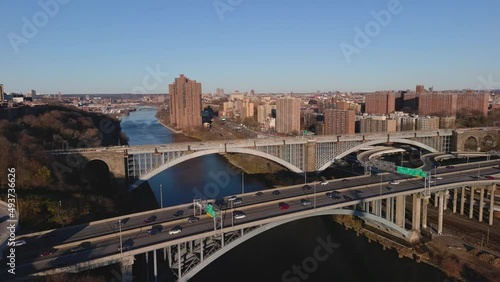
(161, 196)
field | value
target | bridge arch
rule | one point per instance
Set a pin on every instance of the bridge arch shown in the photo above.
(488, 142)
(264, 228)
(197, 154)
(471, 144)
(375, 142)
(96, 171)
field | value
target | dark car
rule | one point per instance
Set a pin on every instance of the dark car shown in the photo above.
(150, 219)
(450, 166)
(335, 192)
(238, 201)
(259, 194)
(276, 192)
(82, 247)
(332, 196)
(283, 206)
(193, 219)
(306, 187)
(347, 198)
(389, 188)
(358, 191)
(178, 213)
(155, 230)
(345, 180)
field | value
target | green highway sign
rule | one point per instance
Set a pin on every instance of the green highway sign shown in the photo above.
(411, 171)
(210, 210)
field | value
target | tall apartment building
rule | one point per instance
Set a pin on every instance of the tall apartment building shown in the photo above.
(2, 94)
(440, 104)
(288, 115)
(264, 113)
(185, 103)
(473, 101)
(247, 109)
(339, 122)
(380, 103)
(406, 123)
(427, 123)
(420, 89)
(377, 125)
(447, 122)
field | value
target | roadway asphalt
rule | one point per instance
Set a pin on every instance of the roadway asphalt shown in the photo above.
(28, 260)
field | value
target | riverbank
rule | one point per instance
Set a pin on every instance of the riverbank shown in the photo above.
(453, 256)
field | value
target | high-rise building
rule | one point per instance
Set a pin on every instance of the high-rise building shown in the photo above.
(406, 123)
(339, 122)
(447, 122)
(288, 115)
(185, 103)
(427, 123)
(2, 94)
(220, 91)
(264, 113)
(377, 125)
(471, 101)
(439, 104)
(380, 103)
(420, 89)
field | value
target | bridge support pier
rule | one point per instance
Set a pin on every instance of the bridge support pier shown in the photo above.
(388, 209)
(126, 267)
(147, 266)
(462, 201)
(471, 209)
(169, 252)
(481, 203)
(446, 195)
(492, 202)
(440, 216)
(415, 219)
(436, 199)
(425, 202)
(455, 196)
(155, 266)
(179, 261)
(400, 211)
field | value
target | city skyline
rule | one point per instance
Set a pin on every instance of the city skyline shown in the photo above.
(277, 47)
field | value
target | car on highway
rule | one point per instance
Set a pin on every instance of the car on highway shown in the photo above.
(175, 230)
(438, 177)
(127, 245)
(46, 253)
(231, 198)
(82, 247)
(347, 198)
(239, 214)
(283, 206)
(358, 191)
(332, 195)
(324, 182)
(276, 192)
(305, 202)
(450, 166)
(193, 219)
(178, 213)
(389, 188)
(259, 194)
(394, 182)
(489, 177)
(150, 219)
(19, 243)
(155, 230)
(306, 187)
(345, 180)
(238, 201)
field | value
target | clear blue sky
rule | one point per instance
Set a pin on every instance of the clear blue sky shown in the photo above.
(97, 46)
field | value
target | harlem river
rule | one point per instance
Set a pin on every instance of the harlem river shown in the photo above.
(314, 249)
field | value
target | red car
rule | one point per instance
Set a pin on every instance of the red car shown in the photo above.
(450, 166)
(490, 177)
(46, 253)
(283, 206)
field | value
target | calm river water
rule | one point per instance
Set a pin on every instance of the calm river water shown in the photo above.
(314, 249)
